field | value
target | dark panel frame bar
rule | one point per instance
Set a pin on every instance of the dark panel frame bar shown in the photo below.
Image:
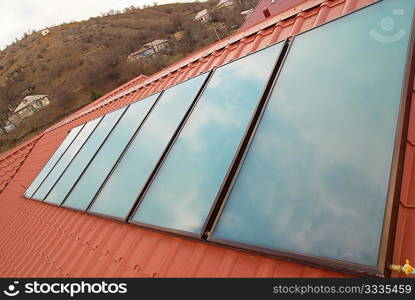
(392, 201)
(31, 196)
(127, 107)
(249, 131)
(121, 156)
(210, 215)
(166, 150)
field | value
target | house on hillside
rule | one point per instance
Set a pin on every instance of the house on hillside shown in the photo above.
(224, 3)
(149, 49)
(45, 32)
(247, 13)
(202, 16)
(28, 107)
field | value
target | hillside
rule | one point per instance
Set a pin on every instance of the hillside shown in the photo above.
(78, 62)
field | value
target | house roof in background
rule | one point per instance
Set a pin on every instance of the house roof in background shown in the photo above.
(29, 100)
(201, 14)
(44, 240)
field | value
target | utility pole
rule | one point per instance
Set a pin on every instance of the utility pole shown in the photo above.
(217, 35)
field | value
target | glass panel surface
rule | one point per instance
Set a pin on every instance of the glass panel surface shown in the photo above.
(52, 161)
(315, 179)
(189, 179)
(93, 177)
(126, 182)
(84, 156)
(66, 159)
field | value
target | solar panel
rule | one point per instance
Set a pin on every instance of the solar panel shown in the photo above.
(292, 151)
(188, 181)
(66, 158)
(315, 178)
(99, 168)
(52, 161)
(82, 159)
(129, 177)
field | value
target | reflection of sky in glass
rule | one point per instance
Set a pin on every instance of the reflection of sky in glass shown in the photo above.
(101, 165)
(316, 176)
(81, 160)
(122, 188)
(183, 191)
(66, 158)
(49, 165)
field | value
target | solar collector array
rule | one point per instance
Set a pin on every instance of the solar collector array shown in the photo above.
(315, 166)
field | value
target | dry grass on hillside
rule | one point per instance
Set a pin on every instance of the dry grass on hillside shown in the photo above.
(78, 62)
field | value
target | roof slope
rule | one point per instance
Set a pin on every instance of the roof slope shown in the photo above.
(38, 239)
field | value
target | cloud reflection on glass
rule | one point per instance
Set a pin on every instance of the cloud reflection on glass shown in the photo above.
(101, 165)
(53, 160)
(81, 160)
(66, 158)
(122, 188)
(316, 175)
(186, 185)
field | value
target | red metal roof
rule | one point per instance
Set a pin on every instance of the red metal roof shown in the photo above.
(37, 239)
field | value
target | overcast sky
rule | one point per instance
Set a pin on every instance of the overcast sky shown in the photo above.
(17, 16)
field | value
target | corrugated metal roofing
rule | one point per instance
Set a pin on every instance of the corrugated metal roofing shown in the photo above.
(37, 239)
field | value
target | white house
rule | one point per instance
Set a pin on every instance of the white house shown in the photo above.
(202, 16)
(9, 126)
(45, 32)
(149, 49)
(224, 3)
